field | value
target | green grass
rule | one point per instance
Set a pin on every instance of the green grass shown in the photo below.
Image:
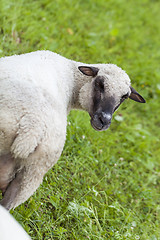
(106, 185)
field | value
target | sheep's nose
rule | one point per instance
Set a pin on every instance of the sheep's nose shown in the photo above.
(105, 118)
(101, 121)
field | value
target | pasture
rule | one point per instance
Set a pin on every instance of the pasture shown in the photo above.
(106, 185)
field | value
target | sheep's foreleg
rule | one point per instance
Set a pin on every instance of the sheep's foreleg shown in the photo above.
(22, 187)
(12, 191)
(7, 171)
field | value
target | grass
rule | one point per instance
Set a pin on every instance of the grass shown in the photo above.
(106, 185)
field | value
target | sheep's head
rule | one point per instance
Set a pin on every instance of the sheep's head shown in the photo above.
(109, 87)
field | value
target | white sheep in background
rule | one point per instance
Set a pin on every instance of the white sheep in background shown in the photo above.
(9, 228)
(37, 91)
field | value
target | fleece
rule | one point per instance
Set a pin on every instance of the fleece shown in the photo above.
(37, 91)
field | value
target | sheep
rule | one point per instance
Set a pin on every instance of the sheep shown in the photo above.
(9, 228)
(37, 91)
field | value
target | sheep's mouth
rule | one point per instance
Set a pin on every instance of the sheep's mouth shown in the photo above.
(99, 124)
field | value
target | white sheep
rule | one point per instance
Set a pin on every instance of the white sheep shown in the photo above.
(10, 229)
(37, 91)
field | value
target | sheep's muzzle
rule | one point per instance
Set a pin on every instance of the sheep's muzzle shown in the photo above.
(101, 121)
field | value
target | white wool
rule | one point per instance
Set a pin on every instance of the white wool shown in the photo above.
(10, 229)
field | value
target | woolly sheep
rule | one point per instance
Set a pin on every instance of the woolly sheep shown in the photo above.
(9, 228)
(37, 91)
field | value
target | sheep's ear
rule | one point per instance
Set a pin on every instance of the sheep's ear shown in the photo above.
(136, 96)
(89, 71)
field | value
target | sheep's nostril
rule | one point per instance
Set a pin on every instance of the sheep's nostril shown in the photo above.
(105, 118)
(101, 121)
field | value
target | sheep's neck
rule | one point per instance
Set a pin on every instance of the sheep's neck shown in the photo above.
(78, 82)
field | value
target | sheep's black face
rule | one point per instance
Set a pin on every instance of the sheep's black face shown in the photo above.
(102, 107)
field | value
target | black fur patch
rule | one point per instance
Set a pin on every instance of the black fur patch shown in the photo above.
(101, 103)
(99, 83)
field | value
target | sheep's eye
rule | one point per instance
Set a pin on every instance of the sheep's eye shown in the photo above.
(124, 97)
